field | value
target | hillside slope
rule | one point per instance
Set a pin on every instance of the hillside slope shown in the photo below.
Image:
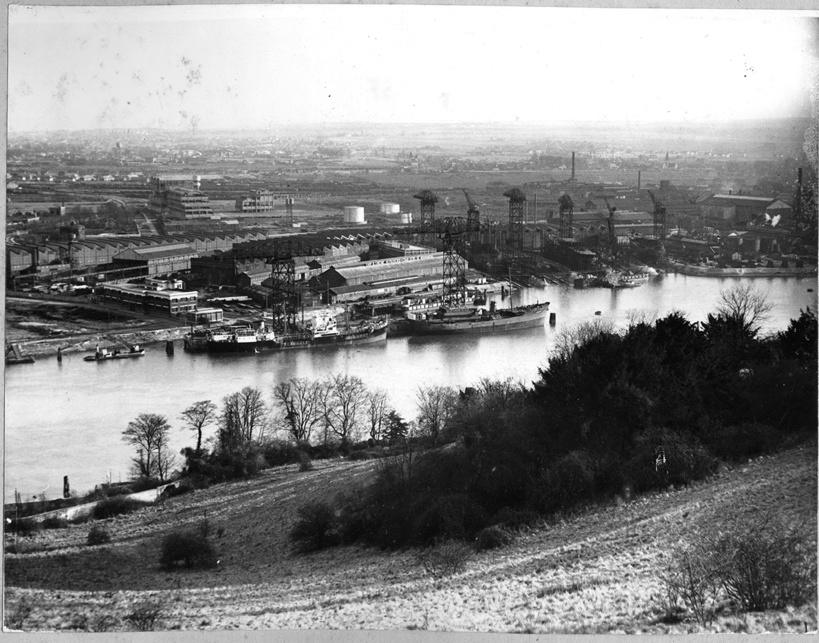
(595, 572)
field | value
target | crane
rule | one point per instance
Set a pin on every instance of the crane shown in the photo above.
(473, 213)
(659, 217)
(610, 222)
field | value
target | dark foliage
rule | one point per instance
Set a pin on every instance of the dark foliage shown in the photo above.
(144, 616)
(98, 535)
(55, 522)
(742, 441)
(187, 549)
(115, 506)
(492, 537)
(316, 528)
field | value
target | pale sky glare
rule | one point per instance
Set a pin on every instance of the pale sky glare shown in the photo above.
(247, 67)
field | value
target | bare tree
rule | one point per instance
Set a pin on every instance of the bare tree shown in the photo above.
(149, 434)
(575, 336)
(300, 404)
(197, 416)
(744, 305)
(376, 413)
(436, 406)
(343, 402)
(244, 419)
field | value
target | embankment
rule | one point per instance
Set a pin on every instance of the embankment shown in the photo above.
(87, 342)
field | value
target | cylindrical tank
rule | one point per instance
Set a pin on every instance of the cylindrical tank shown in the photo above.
(405, 217)
(390, 208)
(197, 181)
(353, 214)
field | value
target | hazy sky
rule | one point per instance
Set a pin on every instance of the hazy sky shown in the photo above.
(246, 66)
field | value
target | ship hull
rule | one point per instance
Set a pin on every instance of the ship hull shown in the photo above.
(497, 323)
(293, 342)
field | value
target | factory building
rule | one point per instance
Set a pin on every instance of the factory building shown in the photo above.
(734, 210)
(171, 302)
(159, 260)
(390, 208)
(389, 248)
(429, 266)
(259, 201)
(183, 203)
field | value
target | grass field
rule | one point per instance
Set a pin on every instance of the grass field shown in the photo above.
(596, 571)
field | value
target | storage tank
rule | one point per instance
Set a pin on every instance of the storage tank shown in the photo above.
(197, 182)
(405, 217)
(353, 214)
(390, 208)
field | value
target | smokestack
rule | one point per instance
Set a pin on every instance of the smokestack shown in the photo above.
(638, 179)
(572, 166)
(799, 179)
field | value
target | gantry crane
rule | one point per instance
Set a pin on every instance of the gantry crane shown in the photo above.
(659, 218)
(473, 214)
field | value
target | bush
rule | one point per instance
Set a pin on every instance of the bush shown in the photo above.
(305, 463)
(98, 536)
(743, 441)
(453, 515)
(279, 452)
(566, 483)
(690, 578)
(516, 518)
(192, 550)
(145, 615)
(55, 522)
(186, 485)
(492, 537)
(446, 558)
(686, 460)
(766, 567)
(316, 528)
(25, 527)
(115, 506)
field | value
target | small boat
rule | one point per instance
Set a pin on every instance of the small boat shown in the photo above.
(104, 353)
(537, 281)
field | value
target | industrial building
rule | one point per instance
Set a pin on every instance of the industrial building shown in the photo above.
(734, 210)
(159, 260)
(170, 302)
(367, 272)
(259, 201)
(183, 203)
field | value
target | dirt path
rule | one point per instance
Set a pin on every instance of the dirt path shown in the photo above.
(595, 572)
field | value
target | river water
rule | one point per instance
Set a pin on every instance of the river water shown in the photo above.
(67, 419)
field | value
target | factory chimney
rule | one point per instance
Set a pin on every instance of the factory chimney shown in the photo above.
(638, 180)
(572, 179)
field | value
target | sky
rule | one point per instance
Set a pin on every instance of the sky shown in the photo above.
(253, 67)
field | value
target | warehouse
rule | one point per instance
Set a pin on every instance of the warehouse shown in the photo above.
(171, 302)
(159, 260)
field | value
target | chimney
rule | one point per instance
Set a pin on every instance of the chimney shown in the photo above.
(638, 179)
(572, 166)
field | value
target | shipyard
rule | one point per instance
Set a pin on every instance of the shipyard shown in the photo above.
(397, 318)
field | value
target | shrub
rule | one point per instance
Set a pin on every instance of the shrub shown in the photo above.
(686, 460)
(316, 527)
(743, 440)
(516, 518)
(691, 579)
(566, 483)
(98, 535)
(24, 527)
(145, 615)
(453, 515)
(186, 485)
(305, 463)
(188, 549)
(55, 522)
(766, 566)
(492, 537)
(15, 616)
(115, 506)
(446, 558)
(278, 452)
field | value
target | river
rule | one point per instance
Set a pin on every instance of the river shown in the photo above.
(67, 419)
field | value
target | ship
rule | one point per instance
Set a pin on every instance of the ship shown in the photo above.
(625, 279)
(320, 331)
(477, 320)
(104, 353)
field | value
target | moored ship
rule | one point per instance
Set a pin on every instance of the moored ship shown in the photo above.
(477, 320)
(322, 330)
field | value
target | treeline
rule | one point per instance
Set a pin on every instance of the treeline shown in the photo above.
(300, 420)
(658, 404)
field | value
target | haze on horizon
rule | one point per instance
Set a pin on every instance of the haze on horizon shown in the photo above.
(247, 67)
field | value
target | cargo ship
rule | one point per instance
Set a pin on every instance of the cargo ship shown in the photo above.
(477, 320)
(320, 331)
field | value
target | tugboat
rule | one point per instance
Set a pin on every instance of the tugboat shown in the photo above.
(104, 353)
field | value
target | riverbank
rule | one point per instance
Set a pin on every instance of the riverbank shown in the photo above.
(87, 342)
(598, 571)
(710, 271)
